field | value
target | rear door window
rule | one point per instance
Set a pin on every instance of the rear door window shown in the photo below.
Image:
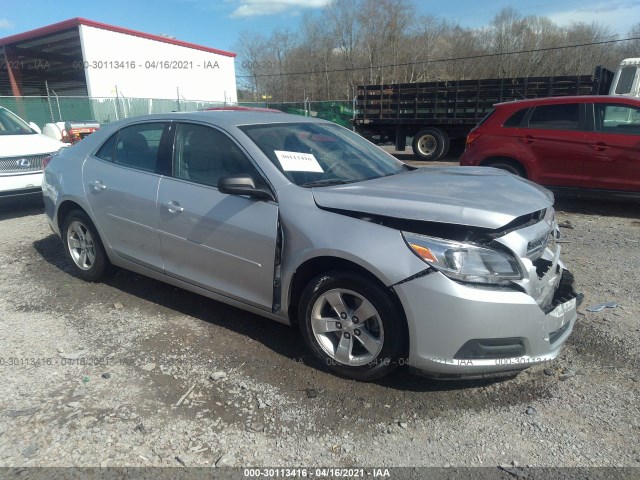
(138, 146)
(565, 116)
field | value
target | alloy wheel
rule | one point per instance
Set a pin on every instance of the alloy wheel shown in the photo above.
(347, 327)
(81, 245)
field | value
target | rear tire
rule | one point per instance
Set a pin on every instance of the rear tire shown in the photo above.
(352, 326)
(83, 247)
(430, 144)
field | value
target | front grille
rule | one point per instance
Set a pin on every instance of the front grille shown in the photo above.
(565, 291)
(22, 164)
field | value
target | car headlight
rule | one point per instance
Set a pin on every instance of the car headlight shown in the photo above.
(463, 261)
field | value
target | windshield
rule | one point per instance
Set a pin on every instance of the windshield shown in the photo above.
(11, 124)
(316, 154)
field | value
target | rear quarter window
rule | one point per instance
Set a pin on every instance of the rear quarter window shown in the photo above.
(516, 119)
(105, 152)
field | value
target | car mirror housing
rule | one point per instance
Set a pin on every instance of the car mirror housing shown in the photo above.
(35, 127)
(242, 185)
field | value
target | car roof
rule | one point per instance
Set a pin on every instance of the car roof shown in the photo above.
(226, 118)
(571, 99)
(241, 108)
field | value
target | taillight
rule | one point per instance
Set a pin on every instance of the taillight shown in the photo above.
(45, 161)
(472, 137)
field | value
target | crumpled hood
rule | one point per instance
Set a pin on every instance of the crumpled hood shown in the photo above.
(32, 144)
(473, 196)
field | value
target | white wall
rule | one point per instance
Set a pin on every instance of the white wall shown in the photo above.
(206, 76)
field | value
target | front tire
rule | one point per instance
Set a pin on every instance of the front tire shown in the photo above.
(83, 247)
(510, 167)
(351, 325)
(430, 144)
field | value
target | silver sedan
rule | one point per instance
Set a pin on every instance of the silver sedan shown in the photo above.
(452, 271)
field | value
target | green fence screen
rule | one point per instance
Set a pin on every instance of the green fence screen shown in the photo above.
(340, 112)
(42, 110)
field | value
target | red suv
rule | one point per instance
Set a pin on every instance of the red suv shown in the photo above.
(585, 142)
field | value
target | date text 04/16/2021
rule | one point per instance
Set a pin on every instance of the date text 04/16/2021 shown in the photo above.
(146, 65)
(328, 473)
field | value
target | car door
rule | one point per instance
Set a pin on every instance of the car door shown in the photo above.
(121, 185)
(224, 243)
(613, 148)
(554, 143)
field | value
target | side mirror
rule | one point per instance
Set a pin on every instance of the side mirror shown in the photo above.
(35, 127)
(242, 185)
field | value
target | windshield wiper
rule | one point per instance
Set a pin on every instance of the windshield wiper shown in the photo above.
(326, 182)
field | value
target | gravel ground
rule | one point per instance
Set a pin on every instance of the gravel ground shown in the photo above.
(133, 372)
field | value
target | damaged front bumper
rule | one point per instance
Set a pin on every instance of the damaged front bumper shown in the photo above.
(465, 331)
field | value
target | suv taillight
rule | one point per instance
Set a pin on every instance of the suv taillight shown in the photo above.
(472, 137)
(45, 161)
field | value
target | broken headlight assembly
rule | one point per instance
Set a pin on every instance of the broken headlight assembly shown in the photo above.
(465, 262)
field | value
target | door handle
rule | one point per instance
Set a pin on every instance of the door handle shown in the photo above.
(599, 146)
(173, 207)
(98, 185)
(526, 139)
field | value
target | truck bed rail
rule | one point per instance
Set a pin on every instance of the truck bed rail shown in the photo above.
(467, 100)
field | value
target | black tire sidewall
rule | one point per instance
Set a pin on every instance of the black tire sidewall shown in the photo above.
(101, 264)
(394, 325)
(508, 167)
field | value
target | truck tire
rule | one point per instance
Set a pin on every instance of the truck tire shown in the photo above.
(430, 144)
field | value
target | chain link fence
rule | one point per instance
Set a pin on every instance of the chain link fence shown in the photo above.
(42, 110)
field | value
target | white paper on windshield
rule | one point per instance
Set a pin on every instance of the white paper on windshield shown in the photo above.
(298, 162)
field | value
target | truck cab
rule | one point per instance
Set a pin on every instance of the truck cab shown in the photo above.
(627, 78)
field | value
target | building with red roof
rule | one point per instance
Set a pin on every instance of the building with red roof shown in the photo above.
(80, 57)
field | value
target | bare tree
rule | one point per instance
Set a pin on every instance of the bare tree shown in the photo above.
(583, 60)
(252, 48)
(421, 46)
(342, 17)
(631, 48)
(383, 31)
(357, 42)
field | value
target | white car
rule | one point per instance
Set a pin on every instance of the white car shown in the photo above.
(22, 149)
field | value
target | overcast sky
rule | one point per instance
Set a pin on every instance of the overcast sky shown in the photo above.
(217, 23)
